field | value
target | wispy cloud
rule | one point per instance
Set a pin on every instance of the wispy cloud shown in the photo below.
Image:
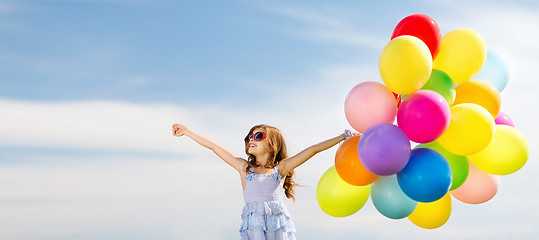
(353, 38)
(326, 24)
(8, 7)
(308, 16)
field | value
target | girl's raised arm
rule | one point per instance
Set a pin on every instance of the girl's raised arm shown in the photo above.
(234, 161)
(287, 165)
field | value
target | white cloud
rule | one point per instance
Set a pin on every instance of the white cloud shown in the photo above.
(103, 125)
(119, 199)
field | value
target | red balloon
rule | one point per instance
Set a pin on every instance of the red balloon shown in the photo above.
(423, 27)
(398, 98)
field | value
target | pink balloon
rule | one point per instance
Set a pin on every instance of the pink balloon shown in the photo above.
(424, 115)
(503, 119)
(368, 104)
(478, 188)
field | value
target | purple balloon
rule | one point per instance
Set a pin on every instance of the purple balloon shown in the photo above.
(384, 149)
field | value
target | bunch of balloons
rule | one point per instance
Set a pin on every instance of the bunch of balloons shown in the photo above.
(450, 88)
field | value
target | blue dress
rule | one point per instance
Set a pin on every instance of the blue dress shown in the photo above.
(264, 215)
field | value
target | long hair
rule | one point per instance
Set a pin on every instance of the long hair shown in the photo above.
(277, 151)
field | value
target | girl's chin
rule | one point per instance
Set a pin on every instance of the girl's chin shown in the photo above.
(252, 151)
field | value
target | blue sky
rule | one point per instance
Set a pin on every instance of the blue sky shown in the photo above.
(89, 90)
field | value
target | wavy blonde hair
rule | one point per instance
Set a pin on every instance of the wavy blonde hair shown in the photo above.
(277, 151)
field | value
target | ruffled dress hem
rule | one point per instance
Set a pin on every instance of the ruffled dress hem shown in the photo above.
(266, 216)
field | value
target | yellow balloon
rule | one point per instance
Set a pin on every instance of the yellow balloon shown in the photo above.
(338, 198)
(432, 215)
(506, 154)
(405, 64)
(481, 93)
(470, 130)
(462, 54)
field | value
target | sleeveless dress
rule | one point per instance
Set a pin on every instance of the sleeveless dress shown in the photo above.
(264, 215)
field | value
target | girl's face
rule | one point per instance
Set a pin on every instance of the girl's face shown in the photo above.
(258, 147)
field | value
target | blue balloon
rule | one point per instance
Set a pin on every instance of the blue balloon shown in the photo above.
(427, 176)
(389, 199)
(494, 70)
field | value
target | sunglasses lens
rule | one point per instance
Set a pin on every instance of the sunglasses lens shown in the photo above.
(259, 136)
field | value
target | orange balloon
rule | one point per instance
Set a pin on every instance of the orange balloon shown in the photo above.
(481, 93)
(478, 188)
(349, 167)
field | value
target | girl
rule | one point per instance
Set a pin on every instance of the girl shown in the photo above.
(265, 175)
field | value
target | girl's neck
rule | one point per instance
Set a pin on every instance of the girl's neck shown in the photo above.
(262, 160)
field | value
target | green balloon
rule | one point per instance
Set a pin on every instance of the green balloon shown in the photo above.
(459, 164)
(441, 83)
(338, 198)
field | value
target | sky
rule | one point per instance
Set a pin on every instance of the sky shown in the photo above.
(89, 90)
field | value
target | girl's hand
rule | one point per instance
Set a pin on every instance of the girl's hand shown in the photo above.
(178, 130)
(348, 134)
(356, 134)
